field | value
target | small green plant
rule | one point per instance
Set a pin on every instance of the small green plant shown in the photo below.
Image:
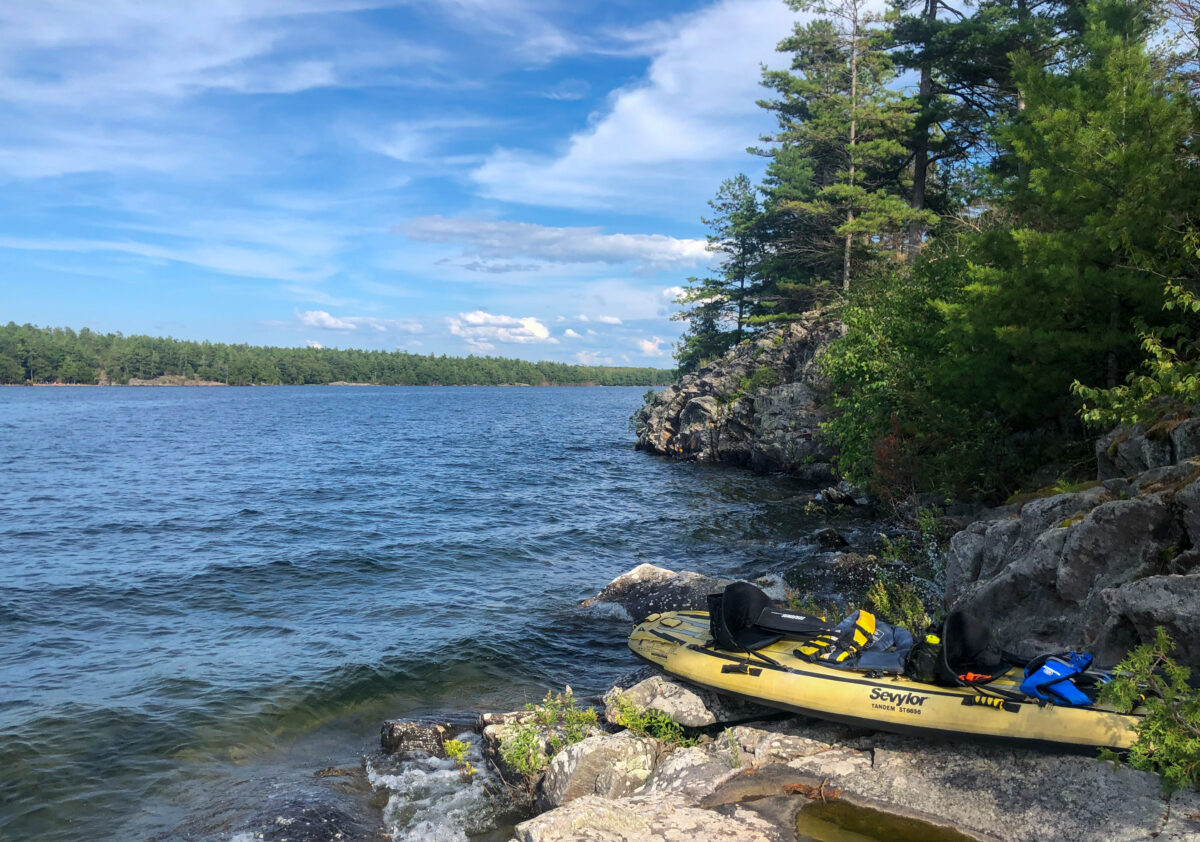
(649, 722)
(764, 377)
(557, 722)
(457, 750)
(733, 750)
(899, 604)
(814, 509)
(1168, 736)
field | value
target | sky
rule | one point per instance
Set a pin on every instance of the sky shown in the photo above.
(522, 178)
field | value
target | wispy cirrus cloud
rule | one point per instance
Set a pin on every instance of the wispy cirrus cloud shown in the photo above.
(688, 119)
(493, 240)
(325, 321)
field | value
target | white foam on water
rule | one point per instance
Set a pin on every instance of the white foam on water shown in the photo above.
(429, 801)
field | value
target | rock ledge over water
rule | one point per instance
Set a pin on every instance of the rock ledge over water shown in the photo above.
(758, 406)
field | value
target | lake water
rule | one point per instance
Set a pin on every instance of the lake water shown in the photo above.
(206, 595)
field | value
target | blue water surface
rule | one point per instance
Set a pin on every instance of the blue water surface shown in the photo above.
(201, 589)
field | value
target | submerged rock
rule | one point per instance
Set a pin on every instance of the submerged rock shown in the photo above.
(757, 406)
(401, 736)
(308, 820)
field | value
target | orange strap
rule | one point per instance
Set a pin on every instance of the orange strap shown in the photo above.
(973, 677)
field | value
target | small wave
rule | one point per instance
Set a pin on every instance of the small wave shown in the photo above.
(428, 800)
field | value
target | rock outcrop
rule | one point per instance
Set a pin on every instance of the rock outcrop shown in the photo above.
(757, 406)
(1127, 451)
(1095, 569)
(751, 782)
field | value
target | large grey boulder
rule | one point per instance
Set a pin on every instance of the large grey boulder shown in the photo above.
(685, 704)
(1089, 570)
(647, 589)
(608, 765)
(1172, 602)
(646, 818)
(758, 406)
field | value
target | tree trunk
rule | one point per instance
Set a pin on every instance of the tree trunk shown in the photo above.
(916, 230)
(853, 128)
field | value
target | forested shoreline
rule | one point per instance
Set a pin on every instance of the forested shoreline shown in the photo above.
(43, 355)
(1001, 203)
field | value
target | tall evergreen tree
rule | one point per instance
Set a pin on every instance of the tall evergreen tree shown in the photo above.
(837, 179)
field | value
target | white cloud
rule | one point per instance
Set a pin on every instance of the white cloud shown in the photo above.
(422, 141)
(499, 240)
(321, 319)
(568, 89)
(481, 329)
(593, 358)
(652, 347)
(687, 120)
(570, 334)
(607, 320)
(325, 321)
(313, 344)
(227, 259)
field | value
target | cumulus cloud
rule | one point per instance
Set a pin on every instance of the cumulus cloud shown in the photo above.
(652, 347)
(323, 320)
(313, 344)
(678, 126)
(493, 240)
(604, 320)
(481, 329)
(570, 334)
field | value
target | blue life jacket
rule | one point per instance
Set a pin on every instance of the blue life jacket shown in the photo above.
(1066, 678)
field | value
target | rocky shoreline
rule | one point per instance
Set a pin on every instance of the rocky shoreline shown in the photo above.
(755, 775)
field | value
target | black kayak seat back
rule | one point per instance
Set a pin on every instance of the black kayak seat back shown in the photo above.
(969, 647)
(742, 617)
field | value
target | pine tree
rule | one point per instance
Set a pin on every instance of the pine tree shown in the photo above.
(836, 184)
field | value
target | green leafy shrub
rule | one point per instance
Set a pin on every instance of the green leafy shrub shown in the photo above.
(648, 722)
(1168, 736)
(557, 722)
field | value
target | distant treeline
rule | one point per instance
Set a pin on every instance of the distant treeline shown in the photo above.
(30, 354)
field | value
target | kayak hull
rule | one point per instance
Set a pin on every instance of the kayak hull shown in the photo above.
(680, 644)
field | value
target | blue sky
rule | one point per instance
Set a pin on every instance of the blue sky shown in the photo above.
(516, 177)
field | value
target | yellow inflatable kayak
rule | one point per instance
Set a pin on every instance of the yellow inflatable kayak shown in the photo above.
(679, 642)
